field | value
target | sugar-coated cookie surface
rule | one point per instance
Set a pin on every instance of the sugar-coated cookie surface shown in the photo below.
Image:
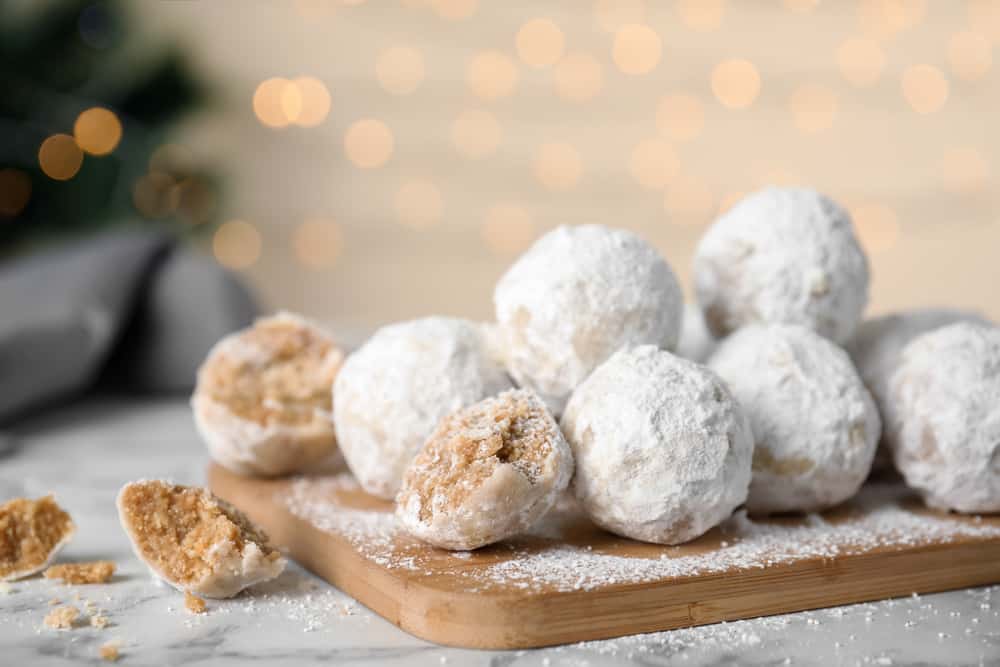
(195, 541)
(392, 392)
(31, 534)
(488, 472)
(262, 401)
(946, 419)
(782, 256)
(577, 296)
(815, 425)
(662, 449)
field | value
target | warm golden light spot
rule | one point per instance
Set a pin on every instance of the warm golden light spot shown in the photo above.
(558, 166)
(455, 10)
(578, 77)
(400, 70)
(877, 227)
(193, 201)
(153, 195)
(984, 16)
(637, 49)
(970, 55)
(883, 19)
(689, 200)
(171, 159)
(680, 116)
(701, 15)
(476, 134)
(736, 83)
(610, 15)
(654, 163)
(861, 61)
(801, 5)
(60, 157)
(313, 101)
(508, 229)
(419, 204)
(491, 75)
(236, 244)
(925, 88)
(540, 43)
(269, 102)
(317, 243)
(813, 107)
(97, 131)
(368, 143)
(729, 200)
(290, 102)
(965, 170)
(15, 192)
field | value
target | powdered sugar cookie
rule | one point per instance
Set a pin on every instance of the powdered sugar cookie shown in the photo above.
(195, 541)
(392, 392)
(577, 296)
(782, 256)
(31, 534)
(489, 471)
(262, 402)
(815, 425)
(946, 417)
(662, 449)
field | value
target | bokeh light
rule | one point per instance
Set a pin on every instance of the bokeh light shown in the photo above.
(925, 88)
(965, 170)
(540, 43)
(400, 70)
(876, 226)
(419, 204)
(476, 133)
(491, 75)
(611, 15)
(984, 16)
(269, 102)
(97, 131)
(314, 101)
(861, 61)
(368, 143)
(884, 19)
(153, 195)
(637, 49)
(558, 166)
(578, 77)
(508, 229)
(193, 201)
(318, 243)
(172, 159)
(702, 15)
(680, 116)
(736, 83)
(970, 55)
(813, 107)
(236, 244)
(654, 163)
(59, 157)
(15, 192)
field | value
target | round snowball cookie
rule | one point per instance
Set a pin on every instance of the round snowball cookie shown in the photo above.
(946, 420)
(815, 425)
(782, 256)
(488, 472)
(395, 388)
(577, 296)
(697, 343)
(262, 400)
(662, 449)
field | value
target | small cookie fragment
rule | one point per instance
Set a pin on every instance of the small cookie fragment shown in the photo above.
(662, 448)
(815, 425)
(193, 603)
(62, 618)
(109, 651)
(99, 621)
(262, 402)
(31, 533)
(96, 572)
(488, 472)
(194, 540)
(946, 421)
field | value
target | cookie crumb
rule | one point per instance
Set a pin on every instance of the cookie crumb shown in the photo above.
(95, 572)
(193, 603)
(109, 651)
(62, 618)
(99, 621)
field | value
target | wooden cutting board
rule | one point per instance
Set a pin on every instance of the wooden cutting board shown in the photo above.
(569, 581)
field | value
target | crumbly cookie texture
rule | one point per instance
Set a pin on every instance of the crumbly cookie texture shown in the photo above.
(697, 343)
(62, 618)
(875, 350)
(262, 400)
(782, 256)
(815, 425)
(193, 603)
(391, 393)
(96, 572)
(662, 449)
(488, 472)
(946, 422)
(31, 533)
(576, 297)
(109, 651)
(195, 541)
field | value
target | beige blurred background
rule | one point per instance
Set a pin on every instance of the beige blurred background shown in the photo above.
(387, 160)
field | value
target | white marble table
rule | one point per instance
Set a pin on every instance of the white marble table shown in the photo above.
(86, 452)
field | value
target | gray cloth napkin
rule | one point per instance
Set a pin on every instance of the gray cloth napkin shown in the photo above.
(131, 309)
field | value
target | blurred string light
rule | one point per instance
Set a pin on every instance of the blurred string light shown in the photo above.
(60, 157)
(192, 200)
(925, 88)
(491, 75)
(736, 83)
(813, 108)
(637, 49)
(508, 229)
(539, 43)
(701, 15)
(558, 166)
(236, 244)
(860, 61)
(15, 192)
(400, 70)
(578, 77)
(654, 163)
(318, 243)
(419, 204)
(153, 196)
(303, 101)
(97, 131)
(964, 170)
(476, 134)
(368, 143)
(689, 199)
(970, 55)
(455, 10)
(884, 19)
(984, 16)
(611, 15)
(680, 116)
(876, 225)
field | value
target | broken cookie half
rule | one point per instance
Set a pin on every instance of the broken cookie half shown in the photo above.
(31, 533)
(195, 541)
